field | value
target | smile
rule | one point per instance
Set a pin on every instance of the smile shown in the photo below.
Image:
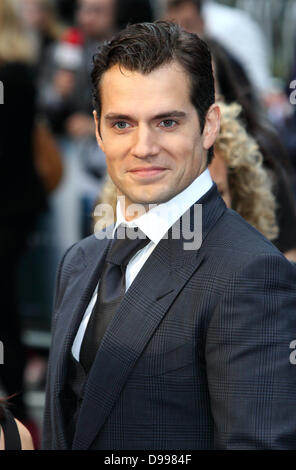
(147, 174)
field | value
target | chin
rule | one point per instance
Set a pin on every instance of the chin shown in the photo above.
(152, 199)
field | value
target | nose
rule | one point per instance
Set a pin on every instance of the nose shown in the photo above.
(145, 142)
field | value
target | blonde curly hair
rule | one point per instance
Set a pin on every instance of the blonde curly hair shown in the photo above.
(250, 184)
(15, 43)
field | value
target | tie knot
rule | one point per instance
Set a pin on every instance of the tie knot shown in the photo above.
(127, 241)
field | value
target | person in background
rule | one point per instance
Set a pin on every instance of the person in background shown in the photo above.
(288, 125)
(65, 94)
(237, 169)
(22, 195)
(96, 20)
(41, 20)
(73, 116)
(13, 434)
(234, 29)
(242, 180)
(57, 81)
(234, 85)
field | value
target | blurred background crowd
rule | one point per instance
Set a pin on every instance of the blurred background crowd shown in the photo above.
(54, 174)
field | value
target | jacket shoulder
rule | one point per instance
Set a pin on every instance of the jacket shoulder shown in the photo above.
(88, 245)
(238, 235)
(233, 244)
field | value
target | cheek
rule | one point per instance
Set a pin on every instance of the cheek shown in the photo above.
(115, 165)
(112, 167)
(177, 146)
(115, 150)
(116, 145)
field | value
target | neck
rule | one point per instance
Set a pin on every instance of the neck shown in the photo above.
(132, 210)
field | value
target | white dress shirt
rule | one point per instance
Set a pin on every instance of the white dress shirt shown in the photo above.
(154, 224)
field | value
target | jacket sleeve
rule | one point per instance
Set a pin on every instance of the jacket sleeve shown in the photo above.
(251, 376)
(47, 417)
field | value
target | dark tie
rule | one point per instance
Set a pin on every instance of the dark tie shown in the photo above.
(127, 241)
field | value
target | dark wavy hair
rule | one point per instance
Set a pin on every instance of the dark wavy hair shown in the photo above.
(144, 47)
(4, 403)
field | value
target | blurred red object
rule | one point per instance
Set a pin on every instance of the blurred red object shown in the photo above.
(73, 36)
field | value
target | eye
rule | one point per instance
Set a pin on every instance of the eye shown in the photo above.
(121, 125)
(168, 123)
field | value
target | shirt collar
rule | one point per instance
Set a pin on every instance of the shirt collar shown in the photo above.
(158, 220)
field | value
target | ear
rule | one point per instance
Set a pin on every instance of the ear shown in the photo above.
(211, 127)
(98, 135)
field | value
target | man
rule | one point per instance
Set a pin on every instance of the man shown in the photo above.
(194, 353)
(233, 28)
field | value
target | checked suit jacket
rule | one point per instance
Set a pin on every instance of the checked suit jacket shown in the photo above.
(197, 355)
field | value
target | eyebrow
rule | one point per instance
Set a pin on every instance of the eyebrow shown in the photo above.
(174, 113)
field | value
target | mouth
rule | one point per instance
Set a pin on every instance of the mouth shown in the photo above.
(147, 172)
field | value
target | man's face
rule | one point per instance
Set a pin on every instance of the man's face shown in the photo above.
(188, 17)
(34, 14)
(96, 18)
(150, 133)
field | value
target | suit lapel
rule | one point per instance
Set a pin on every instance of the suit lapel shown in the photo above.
(145, 304)
(85, 273)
